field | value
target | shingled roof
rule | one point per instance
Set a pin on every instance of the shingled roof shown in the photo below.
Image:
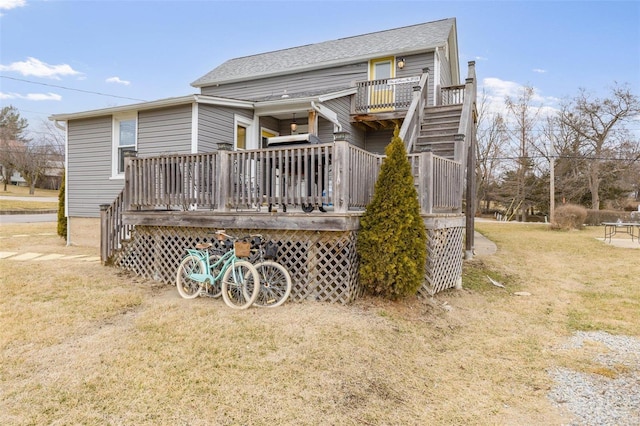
(405, 40)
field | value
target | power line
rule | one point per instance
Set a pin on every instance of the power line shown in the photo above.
(562, 157)
(70, 88)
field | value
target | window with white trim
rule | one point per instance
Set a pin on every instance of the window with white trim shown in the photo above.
(125, 138)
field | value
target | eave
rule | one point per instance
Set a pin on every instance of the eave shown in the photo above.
(161, 103)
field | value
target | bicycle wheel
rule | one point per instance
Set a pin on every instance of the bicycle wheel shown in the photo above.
(213, 289)
(240, 285)
(275, 284)
(188, 288)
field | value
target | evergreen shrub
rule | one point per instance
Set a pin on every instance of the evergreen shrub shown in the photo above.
(392, 242)
(62, 219)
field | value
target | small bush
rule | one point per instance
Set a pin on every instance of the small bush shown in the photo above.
(569, 216)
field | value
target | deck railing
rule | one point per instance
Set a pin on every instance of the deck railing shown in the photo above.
(337, 176)
(280, 176)
(364, 168)
(451, 95)
(173, 180)
(387, 94)
(438, 183)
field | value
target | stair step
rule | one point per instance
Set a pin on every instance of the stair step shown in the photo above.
(437, 138)
(436, 144)
(439, 129)
(441, 123)
(443, 108)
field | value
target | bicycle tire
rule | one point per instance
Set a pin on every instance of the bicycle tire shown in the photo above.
(213, 289)
(240, 285)
(275, 284)
(187, 287)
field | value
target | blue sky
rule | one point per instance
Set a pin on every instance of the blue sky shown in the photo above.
(148, 50)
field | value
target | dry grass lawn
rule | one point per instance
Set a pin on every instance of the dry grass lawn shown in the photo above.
(87, 344)
(23, 191)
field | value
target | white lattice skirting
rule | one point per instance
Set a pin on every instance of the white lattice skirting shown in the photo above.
(323, 264)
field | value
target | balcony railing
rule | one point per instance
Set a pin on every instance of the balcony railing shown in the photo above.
(387, 94)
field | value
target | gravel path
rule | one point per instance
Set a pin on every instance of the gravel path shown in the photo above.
(595, 399)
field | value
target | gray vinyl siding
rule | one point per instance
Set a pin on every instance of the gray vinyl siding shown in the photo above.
(342, 107)
(163, 131)
(377, 141)
(90, 154)
(414, 66)
(445, 72)
(325, 130)
(89, 167)
(215, 125)
(317, 81)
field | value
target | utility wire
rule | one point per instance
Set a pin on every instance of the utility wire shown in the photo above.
(70, 88)
(565, 157)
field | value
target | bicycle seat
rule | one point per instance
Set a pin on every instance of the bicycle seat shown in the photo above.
(203, 246)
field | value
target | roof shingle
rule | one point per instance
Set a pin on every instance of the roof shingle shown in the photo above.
(405, 40)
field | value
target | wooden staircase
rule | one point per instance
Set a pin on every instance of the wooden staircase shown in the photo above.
(438, 129)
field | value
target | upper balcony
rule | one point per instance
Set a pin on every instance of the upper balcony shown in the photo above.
(386, 102)
(385, 98)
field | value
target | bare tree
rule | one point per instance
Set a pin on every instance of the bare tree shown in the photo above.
(492, 138)
(599, 125)
(41, 156)
(523, 118)
(53, 137)
(12, 136)
(569, 164)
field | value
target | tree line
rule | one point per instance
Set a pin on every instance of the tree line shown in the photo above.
(589, 146)
(33, 157)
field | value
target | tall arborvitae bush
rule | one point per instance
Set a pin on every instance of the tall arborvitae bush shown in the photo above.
(392, 242)
(62, 219)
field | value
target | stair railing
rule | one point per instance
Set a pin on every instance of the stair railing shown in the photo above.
(410, 129)
(112, 229)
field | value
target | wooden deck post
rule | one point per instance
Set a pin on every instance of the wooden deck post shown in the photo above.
(128, 178)
(341, 176)
(426, 182)
(104, 233)
(224, 173)
(313, 122)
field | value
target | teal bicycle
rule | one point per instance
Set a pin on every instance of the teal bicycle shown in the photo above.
(202, 271)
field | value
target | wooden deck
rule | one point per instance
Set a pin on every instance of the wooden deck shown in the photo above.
(307, 199)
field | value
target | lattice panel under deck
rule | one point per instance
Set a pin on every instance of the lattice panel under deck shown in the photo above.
(444, 260)
(323, 265)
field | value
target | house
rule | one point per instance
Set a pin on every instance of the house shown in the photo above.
(286, 143)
